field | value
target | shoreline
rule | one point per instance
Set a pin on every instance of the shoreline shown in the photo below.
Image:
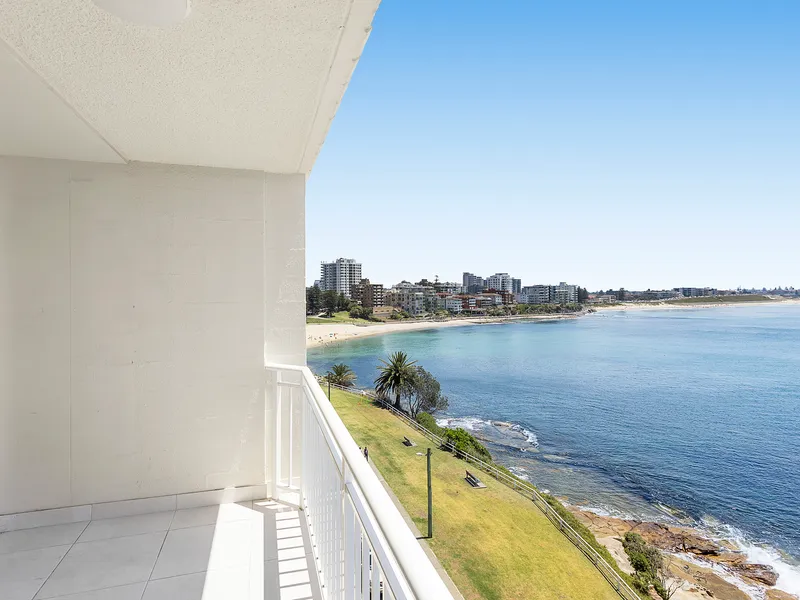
(326, 334)
(634, 306)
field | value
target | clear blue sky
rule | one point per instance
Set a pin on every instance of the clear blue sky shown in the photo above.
(605, 143)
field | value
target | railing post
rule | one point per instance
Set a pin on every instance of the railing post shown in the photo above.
(348, 536)
(276, 436)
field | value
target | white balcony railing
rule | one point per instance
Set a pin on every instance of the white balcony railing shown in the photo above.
(362, 546)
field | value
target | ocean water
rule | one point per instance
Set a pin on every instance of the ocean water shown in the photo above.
(688, 415)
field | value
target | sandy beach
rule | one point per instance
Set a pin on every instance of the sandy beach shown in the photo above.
(668, 306)
(324, 334)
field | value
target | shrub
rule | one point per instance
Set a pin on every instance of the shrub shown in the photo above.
(429, 423)
(463, 441)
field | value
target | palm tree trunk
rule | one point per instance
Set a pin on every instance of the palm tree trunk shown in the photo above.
(397, 401)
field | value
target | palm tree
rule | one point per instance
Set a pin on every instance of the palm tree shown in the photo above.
(395, 376)
(341, 375)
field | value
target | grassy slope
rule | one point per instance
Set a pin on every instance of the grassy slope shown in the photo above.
(338, 317)
(493, 543)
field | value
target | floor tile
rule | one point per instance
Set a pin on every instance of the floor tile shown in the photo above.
(40, 537)
(124, 526)
(123, 592)
(185, 551)
(271, 577)
(293, 585)
(23, 573)
(296, 592)
(105, 563)
(209, 515)
(206, 548)
(294, 564)
(295, 578)
(282, 534)
(223, 584)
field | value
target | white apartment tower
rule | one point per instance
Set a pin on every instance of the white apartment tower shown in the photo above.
(339, 275)
(501, 282)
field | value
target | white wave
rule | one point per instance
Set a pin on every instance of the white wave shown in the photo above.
(605, 511)
(520, 472)
(476, 424)
(753, 591)
(530, 437)
(788, 575)
(468, 423)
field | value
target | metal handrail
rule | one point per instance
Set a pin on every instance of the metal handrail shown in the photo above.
(526, 489)
(373, 504)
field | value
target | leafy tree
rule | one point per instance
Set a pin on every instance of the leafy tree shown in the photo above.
(342, 302)
(360, 312)
(583, 295)
(330, 302)
(650, 567)
(313, 300)
(395, 376)
(425, 393)
(341, 375)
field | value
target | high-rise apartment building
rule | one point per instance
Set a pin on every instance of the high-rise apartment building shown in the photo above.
(472, 283)
(339, 275)
(565, 294)
(502, 282)
(536, 294)
(516, 286)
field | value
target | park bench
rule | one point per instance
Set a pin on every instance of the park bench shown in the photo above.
(474, 481)
(408, 442)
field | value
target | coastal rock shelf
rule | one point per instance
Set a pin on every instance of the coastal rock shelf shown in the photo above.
(689, 541)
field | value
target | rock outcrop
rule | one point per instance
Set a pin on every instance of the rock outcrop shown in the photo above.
(675, 539)
(763, 574)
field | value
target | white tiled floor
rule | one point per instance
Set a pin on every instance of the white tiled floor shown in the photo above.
(249, 551)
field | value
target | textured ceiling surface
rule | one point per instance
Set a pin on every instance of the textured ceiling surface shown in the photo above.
(238, 84)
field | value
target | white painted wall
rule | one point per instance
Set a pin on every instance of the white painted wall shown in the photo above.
(137, 306)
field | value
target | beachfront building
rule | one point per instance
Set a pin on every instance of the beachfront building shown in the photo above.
(449, 288)
(152, 215)
(536, 294)
(367, 294)
(516, 286)
(500, 282)
(408, 297)
(657, 295)
(340, 275)
(453, 304)
(690, 292)
(564, 293)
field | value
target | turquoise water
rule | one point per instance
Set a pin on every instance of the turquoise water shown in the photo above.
(686, 414)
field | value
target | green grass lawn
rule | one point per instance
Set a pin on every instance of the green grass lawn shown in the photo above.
(721, 299)
(338, 317)
(493, 543)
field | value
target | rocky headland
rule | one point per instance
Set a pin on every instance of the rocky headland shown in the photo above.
(700, 581)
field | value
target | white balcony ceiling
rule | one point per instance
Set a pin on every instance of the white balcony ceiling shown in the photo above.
(250, 84)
